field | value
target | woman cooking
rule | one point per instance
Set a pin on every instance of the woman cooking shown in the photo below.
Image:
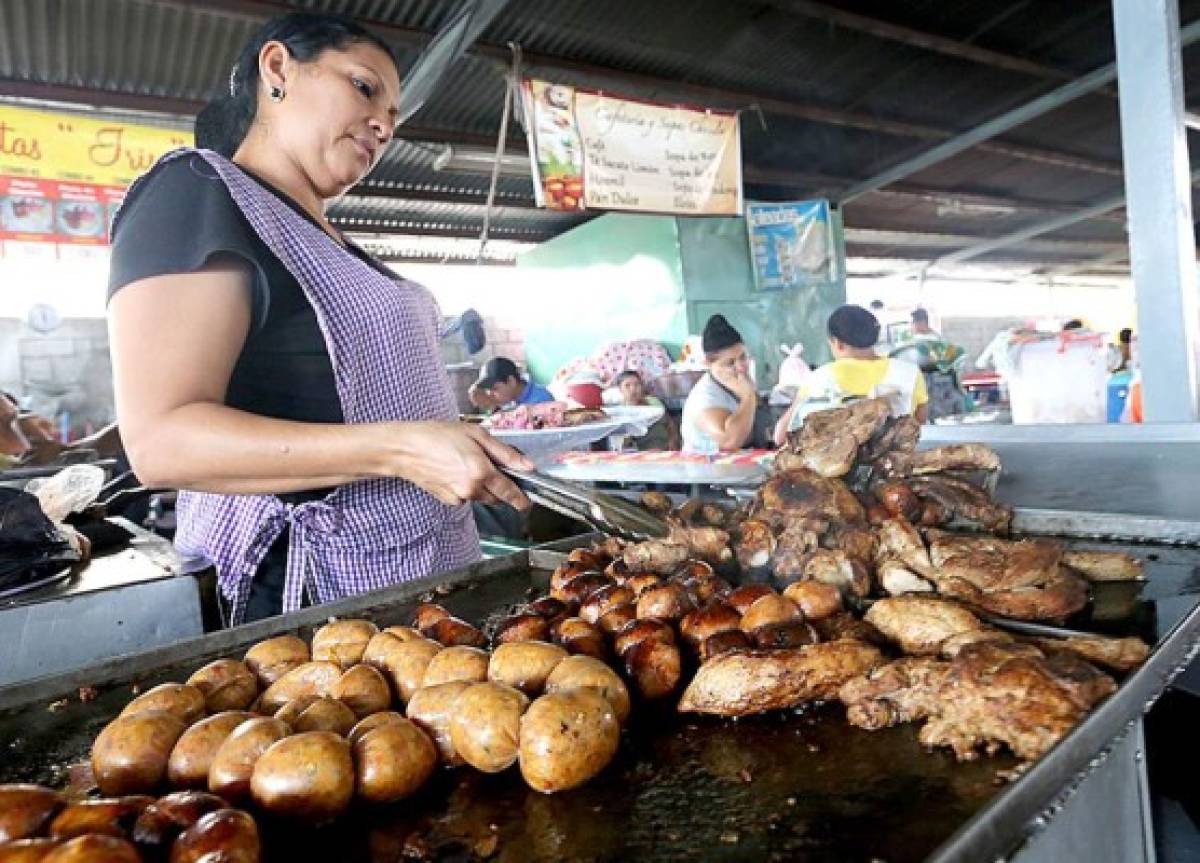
(289, 384)
(719, 411)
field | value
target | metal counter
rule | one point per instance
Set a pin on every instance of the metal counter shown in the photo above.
(118, 603)
(788, 786)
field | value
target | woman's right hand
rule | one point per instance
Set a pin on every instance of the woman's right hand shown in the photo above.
(457, 462)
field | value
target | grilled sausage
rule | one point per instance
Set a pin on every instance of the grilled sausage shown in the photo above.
(426, 615)
(578, 636)
(130, 755)
(94, 848)
(585, 671)
(724, 642)
(234, 762)
(655, 668)
(715, 617)
(192, 756)
(163, 820)
(110, 817)
(525, 665)
(25, 810)
(186, 702)
(275, 657)
(343, 641)
(526, 626)
(363, 689)
(667, 601)
(226, 684)
(637, 631)
(307, 776)
(392, 761)
(816, 599)
(604, 600)
(772, 608)
(454, 632)
(310, 680)
(457, 663)
(746, 595)
(227, 835)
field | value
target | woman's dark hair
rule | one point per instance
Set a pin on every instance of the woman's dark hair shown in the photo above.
(855, 326)
(626, 375)
(223, 123)
(718, 335)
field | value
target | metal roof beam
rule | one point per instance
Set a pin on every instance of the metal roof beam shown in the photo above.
(1046, 227)
(370, 189)
(713, 96)
(411, 228)
(999, 125)
(918, 38)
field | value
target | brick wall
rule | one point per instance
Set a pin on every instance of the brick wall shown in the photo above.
(504, 339)
(66, 371)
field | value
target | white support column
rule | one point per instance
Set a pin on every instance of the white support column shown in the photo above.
(1159, 203)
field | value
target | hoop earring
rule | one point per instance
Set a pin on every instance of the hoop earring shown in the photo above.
(275, 94)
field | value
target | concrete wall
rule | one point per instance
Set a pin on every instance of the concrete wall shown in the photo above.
(66, 371)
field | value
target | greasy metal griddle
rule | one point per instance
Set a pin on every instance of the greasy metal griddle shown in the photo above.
(796, 786)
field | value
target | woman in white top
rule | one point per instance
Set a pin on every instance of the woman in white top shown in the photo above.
(719, 411)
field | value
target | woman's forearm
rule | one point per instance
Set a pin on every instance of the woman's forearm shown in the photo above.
(739, 425)
(211, 447)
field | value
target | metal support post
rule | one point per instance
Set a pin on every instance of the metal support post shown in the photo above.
(1158, 192)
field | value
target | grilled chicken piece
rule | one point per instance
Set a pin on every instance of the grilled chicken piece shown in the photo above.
(1055, 600)
(896, 579)
(655, 555)
(839, 569)
(902, 691)
(656, 502)
(828, 442)
(898, 434)
(953, 645)
(1015, 579)
(739, 684)
(797, 542)
(959, 456)
(990, 695)
(899, 541)
(858, 541)
(960, 498)
(993, 698)
(919, 624)
(845, 626)
(1104, 565)
(707, 543)
(1119, 654)
(755, 544)
(802, 493)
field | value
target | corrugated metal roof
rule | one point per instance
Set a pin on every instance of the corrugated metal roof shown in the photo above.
(748, 49)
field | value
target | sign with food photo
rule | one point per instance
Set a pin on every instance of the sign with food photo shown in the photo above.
(62, 176)
(591, 150)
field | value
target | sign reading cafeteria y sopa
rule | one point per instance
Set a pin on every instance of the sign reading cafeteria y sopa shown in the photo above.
(63, 176)
(594, 151)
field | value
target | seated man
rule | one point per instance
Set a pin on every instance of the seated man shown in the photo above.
(856, 372)
(664, 434)
(501, 385)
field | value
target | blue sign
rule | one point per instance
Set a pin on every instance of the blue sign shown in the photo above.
(792, 244)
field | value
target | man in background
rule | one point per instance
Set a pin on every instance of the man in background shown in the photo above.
(501, 385)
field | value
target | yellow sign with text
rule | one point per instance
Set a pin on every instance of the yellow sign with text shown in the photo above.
(45, 145)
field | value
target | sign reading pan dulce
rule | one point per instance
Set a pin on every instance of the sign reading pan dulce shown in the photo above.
(592, 151)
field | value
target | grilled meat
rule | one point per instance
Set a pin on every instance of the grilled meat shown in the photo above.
(836, 567)
(902, 691)
(656, 502)
(1015, 579)
(707, 543)
(828, 442)
(803, 493)
(919, 624)
(858, 541)
(896, 579)
(739, 684)
(962, 456)
(655, 555)
(1119, 654)
(899, 541)
(964, 500)
(990, 695)
(898, 434)
(755, 544)
(1104, 565)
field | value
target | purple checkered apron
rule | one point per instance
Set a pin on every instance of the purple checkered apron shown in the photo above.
(382, 336)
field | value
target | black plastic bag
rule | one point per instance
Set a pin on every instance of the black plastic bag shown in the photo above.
(31, 546)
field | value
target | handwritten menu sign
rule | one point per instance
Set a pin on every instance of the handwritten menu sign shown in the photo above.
(63, 176)
(602, 152)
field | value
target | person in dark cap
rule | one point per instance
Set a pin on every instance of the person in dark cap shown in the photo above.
(856, 372)
(501, 385)
(719, 411)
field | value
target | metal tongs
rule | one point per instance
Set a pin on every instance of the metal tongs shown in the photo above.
(603, 512)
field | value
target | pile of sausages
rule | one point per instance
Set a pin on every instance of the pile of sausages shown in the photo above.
(38, 824)
(653, 626)
(300, 731)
